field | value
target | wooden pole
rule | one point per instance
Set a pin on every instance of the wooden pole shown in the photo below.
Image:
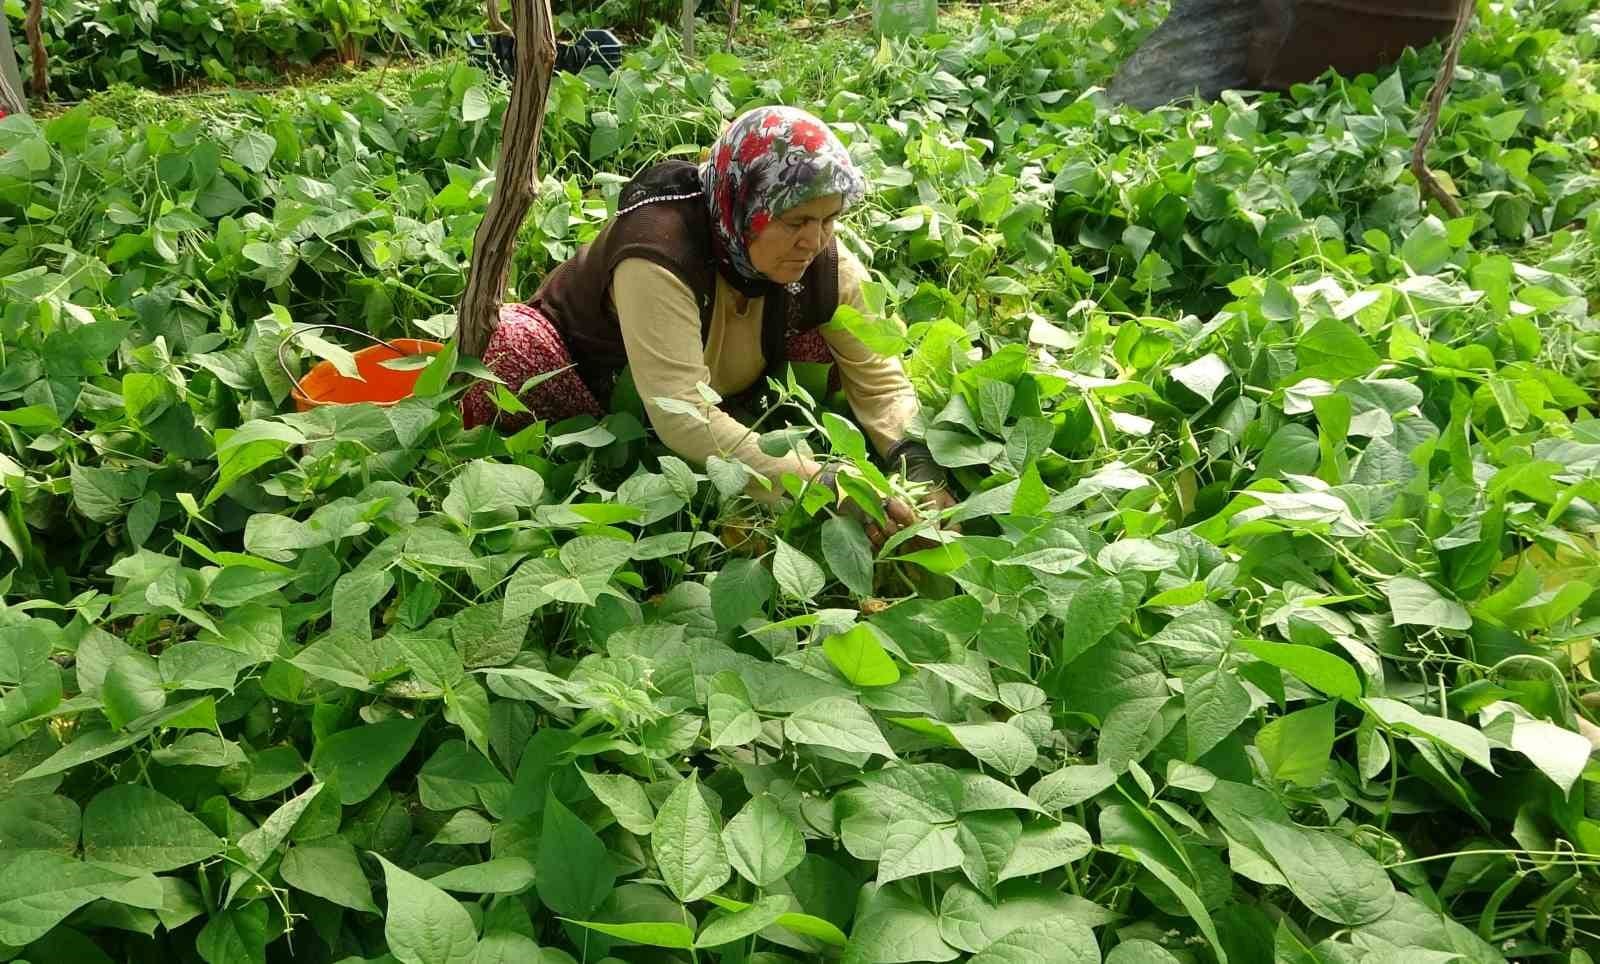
(11, 99)
(30, 29)
(733, 22)
(686, 27)
(516, 176)
(1430, 121)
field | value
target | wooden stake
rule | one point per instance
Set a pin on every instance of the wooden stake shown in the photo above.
(733, 22)
(516, 176)
(1430, 120)
(686, 27)
(30, 29)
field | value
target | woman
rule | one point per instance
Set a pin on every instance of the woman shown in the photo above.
(714, 274)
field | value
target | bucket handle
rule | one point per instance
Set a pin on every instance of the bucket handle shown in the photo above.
(299, 330)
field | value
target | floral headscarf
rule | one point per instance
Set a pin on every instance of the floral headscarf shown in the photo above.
(770, 161)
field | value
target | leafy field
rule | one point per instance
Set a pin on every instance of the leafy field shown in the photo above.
(1265, 635)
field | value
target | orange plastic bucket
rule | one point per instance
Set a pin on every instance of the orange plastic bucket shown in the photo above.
(378, 384)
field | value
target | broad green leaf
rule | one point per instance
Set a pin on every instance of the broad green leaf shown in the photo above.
(655, 934)
(1317, 668)
(740, 591)
(970, 921)
(625, 798)
(999, 745)
(1215, 704)
(1141, 951)
(762, 843)
(587, 875)
(1333, 350)
(687, 843)
(1186, 896)
(329, 868)
(848, 553)
(987, 840)
(503, 875)
(892, 925)
(1057, 939)
(1297, 746)
(742, 923)
(358, 760)
(1465, 740)
(798, 577)
(733, 721)
(860, 657)
(1415, 603)
(40, 888)
(44, 822)
(1046, 845)
(1071, 785)
(264, 842)
(237, 935)
(913, 847)
(1127, 734)
(838, 723)
(133, 826)
(422, 923)
(1330, 875)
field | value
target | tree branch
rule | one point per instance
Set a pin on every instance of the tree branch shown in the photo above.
(516, 176)
(1430, 120)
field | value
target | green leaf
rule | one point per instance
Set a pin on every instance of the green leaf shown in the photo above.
(503, 875)
(742, 923)
(913, 847)
(798, 577)
(891, 925)
(133, 826)
(837, 722)
(1056, 939)
(848, 553)
(254, 149)
(1415, 603)
(733, 721)
(1297, 746)
(740, 591)
(1128, 733)
(40, 888)
(1071, 785)
(1319, 669)
(235, 936)
(1464, 739)
(1427, 247)
(423, 924)
(587, 875)
(1215, 704)
(474, 104)
(1332, 350)
(687, 843)
(358, 760)
(40, 823)
(971, 922)
(860, 657)
(625, 798)
(1046, 845)
(999, 745)
(132, 689)
(1186, 896)
(987, 841)
(1142, 951)
(762, 843)
(655, 934)
(1330, 875)
(329, 868)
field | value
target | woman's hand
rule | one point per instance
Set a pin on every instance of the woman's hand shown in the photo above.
(898, 515)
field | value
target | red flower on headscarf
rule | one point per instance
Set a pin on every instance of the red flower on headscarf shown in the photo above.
(773, 120)
(753, 147)
(808, 135)
(724, 158)
(759, 224)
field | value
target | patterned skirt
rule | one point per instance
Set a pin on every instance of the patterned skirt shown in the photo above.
(526, 345)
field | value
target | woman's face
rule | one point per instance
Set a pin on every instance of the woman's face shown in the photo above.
(785, 248)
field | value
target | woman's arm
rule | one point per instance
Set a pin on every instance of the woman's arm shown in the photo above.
(879, 392)
(661, 330)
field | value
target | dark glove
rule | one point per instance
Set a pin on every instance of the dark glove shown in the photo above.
(912, 459)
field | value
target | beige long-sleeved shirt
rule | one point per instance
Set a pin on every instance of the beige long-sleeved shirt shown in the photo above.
(661, 330)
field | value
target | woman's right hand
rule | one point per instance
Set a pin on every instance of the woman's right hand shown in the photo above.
(897, 514)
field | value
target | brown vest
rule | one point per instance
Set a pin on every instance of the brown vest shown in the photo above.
(663, 217)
